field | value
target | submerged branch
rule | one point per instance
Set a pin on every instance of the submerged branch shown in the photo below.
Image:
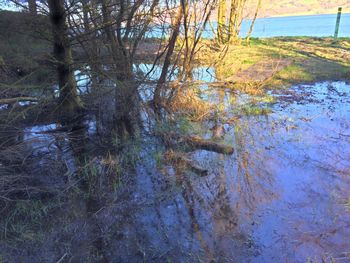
(178, 159)
(199, 143)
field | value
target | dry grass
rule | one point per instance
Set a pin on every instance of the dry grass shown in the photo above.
(187, 102)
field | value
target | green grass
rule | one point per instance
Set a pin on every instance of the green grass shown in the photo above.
(25, 220)
(348, 203)
(311, 59)
(255, 110)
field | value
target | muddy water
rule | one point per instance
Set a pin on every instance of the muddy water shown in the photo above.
(283, 196)
(308, 157)
(289, 177)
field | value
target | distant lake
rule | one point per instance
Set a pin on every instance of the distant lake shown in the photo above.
(311, 25)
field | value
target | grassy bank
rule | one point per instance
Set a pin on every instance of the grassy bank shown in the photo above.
(282, 61)
(24, 46)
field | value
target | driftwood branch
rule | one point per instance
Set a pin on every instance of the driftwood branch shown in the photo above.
(199, 143)
(179, 160)
(18, 99)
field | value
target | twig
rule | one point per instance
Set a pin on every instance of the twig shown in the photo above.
(61, 259)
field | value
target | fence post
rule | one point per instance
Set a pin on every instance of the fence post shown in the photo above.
(338, 23)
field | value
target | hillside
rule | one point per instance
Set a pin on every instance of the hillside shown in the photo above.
(297, 7)
(23, 47)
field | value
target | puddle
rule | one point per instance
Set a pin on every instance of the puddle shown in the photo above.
(297, 168)
(281, 195)
(20, 103)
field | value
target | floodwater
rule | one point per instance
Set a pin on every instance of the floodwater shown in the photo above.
(283, 196)
(289, 177)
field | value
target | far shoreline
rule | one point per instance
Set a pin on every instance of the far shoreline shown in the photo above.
(345, 11)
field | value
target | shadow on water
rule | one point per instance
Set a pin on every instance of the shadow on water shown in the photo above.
(284, 193)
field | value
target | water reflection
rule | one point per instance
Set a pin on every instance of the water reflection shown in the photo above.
(282, 194)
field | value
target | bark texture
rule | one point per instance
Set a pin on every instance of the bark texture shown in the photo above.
(68, 99)
(167, 59)
(32, 7)
(126, 93)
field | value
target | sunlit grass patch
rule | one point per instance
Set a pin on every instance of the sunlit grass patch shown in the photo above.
(310, 70)
(255, 110)
(311, 59)
(290, 75)
(348, 204)
(268, 99)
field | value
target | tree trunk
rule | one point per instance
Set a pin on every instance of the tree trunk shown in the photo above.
(32, 7)
(233, 19)
(253, 21)
(222, 21)
(89, 40)
(126, 94)
(69, 101)
(167, 59)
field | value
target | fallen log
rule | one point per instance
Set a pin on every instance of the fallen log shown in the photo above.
(196, 142)
(180, 161)
(199, 143)
(18, 99)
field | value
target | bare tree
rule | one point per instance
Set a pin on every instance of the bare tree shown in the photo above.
(167, 61)
(221, 21)
(236, 18)
(32, 7)
(69, 101)
(253, 21)
(228, 29)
